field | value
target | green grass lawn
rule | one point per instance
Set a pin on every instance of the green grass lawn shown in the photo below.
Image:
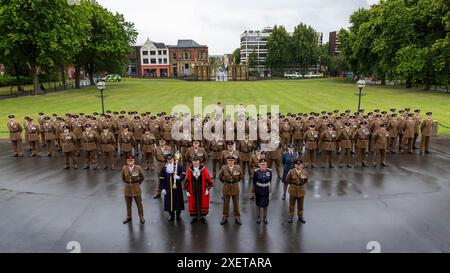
(292, 96)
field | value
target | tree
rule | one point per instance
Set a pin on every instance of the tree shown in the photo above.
(39, 32)
(279, 49)
(110, 38)
(252, 59)
(305, 47)
(237, 56)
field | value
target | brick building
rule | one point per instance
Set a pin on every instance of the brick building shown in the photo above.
(185, 56)
(154, 60)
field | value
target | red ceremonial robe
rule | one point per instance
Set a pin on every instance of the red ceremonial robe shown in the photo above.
(206, 183)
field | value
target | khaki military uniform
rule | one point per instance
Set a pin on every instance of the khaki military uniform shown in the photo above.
(132, 190)
(393, 133)
(408, 135)
(245, 149)
(200, 152)
(50, 137)
(216, 147)
(15, 136)
(311, 138)
(380, 139)
(362, 144)
(275, 157)
(33, 138)
(230, 177)
(148, 143)
(426, 130)
(68, 144)
(328, 140)
(89, 141)
(297, 136)
(108, 145)
(126, 142)
(345, 139)
(296, 180)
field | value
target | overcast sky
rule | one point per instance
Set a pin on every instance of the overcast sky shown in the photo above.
(218, 24)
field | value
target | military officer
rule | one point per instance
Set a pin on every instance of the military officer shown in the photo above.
(297, 179)
(49, 135)
(108, 145)
(170, 178)
(262, 189)
(328, 140)
(289, 158)
(311, 137)
(345, 140)
(148, 143)
(245, 148)
(380, 140)
(408, 134)
(216, 146)
(285, 133)
(392, 127)
(230, 151)
(426, 130)
(15, 135)
(361, 135)
(161, 152)
(230, 175)
(274, 156)
(298, 131)
(68, 142)
(417, 120)
(133, 177)
(196, 151)
(90, 141)
(126, 141)
(33, 132)
(138, 131)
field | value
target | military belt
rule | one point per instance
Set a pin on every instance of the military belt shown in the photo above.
(262, 185)
(230, 182)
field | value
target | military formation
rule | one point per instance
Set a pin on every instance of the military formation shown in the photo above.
(305, 141)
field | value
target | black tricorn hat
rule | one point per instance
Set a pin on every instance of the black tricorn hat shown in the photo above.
(261, 160)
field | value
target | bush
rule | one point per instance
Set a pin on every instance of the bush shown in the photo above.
(7, 80)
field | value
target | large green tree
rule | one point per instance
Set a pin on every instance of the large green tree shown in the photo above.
(110, 38)
(305, 47)
(42, 33)
(279, 48)
(237, 56)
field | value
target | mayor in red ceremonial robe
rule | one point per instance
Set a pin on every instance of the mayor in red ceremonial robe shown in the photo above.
(197, 186)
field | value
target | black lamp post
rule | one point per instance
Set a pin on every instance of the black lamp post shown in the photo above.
(361, 84)
(101, 86)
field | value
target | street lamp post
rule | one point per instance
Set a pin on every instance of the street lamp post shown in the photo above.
(361, 84)
(101, 86)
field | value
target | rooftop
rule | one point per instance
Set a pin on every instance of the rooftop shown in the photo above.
(186, 44)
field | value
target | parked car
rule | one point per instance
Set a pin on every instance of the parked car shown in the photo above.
(294, 75)
(112, 78)
(311, 75)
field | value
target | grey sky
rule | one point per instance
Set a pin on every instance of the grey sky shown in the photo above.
(218, 24)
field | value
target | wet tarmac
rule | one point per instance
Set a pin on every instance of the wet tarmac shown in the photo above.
(405, 207)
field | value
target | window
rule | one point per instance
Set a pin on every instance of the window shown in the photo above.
(186, 66)
(165, 60)
(145, 53)
(201, 55)
(186, 56)
(152, 52)
(145, 61)
(159, 61)
(153, 61)
(164, 52)
(174, 55)
(159, 52)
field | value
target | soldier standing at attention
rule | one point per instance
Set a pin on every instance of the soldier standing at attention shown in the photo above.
(380, 139)
(311, 137)
(345, 138)
(15, 135)
(216, 146)
(41, 118)
(328, 140)
(68, 142)
(296, 179)
(230, 175)
(408, 134)
(245, 148)
(426, 130)
(261, 186)
(33, 137)
(148, 143)
(161, 152)
(393, 132)
(133, 176)
(274, 156)
(230, 151)
(108, 145)
(289, 158)
(49, 136)
(196, 151)
(361, 136)
(90, 140)
(417, 121)
(126, 142)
